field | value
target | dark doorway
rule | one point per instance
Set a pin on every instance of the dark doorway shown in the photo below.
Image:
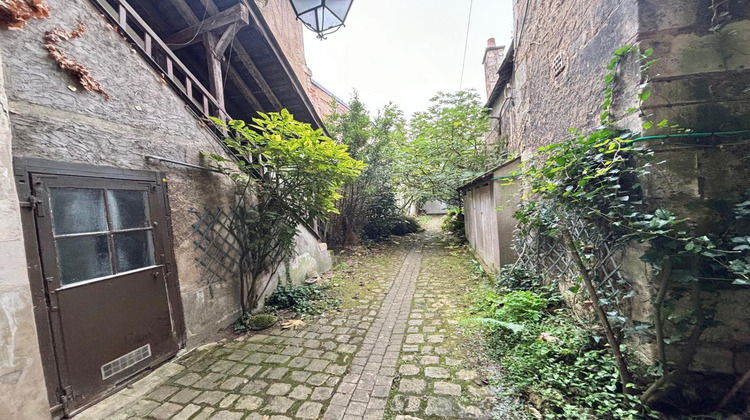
(103, 241)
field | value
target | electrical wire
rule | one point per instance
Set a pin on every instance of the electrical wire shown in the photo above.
(466, 46)
(203, 19)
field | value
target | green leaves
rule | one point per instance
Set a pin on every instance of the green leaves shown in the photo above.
(445, 148)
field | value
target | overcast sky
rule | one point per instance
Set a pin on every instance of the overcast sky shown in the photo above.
(405, 51)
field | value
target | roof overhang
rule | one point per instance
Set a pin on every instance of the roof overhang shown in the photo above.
(259, 77)
(487, 176)
(505, 72)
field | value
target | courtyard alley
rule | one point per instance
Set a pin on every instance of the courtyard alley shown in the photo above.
(395, 349)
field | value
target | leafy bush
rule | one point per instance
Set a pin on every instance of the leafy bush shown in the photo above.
(453, 223)
(512, 277)
(521, 306)
(553, 361)
(305, 298)
(405, 225)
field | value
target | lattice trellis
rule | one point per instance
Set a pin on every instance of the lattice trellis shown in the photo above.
(221, 255)
(549, 256)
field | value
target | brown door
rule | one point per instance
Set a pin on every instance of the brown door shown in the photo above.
(105, 265)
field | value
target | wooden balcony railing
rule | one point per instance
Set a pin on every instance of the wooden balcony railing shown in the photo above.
(161, 57)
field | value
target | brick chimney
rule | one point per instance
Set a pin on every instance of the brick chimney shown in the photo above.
(493, 57)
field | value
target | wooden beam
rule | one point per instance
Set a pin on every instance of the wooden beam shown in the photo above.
(215, 78)
(245, 90)
(238, 14)
(255, 73)
(226, 38)
(187, 13)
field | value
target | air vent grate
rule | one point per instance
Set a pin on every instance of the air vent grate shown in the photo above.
(123, 362)
(558, 65)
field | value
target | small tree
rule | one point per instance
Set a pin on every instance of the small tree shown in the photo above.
(445, 148)
(284, 171)
(368, 206)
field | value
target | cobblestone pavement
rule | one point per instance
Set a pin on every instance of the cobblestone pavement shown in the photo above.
(392, 351)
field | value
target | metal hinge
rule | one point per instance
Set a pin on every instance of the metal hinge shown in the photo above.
(66, 397)
(31, 202)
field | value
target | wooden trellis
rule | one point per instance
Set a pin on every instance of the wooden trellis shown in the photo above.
(220, 256)
(549, 257)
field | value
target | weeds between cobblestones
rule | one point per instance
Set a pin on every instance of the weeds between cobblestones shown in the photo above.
(394, 349)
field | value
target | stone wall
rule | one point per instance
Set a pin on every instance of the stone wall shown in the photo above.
(54, 118)
(20, 361)
(700, 82)
(583, 35)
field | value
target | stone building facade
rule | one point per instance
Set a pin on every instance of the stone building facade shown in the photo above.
(552, 79)
(148, 135)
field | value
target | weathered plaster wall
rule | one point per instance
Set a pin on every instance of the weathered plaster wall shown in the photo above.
(507, 194)
(53, 118)
(20, 362)
(143, 116)
(584, 34)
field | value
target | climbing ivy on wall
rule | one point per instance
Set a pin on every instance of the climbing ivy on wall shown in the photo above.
(597, 176)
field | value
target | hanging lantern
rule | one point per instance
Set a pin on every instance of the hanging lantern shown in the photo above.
(323, 17)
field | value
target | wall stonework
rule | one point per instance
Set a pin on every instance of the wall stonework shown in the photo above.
(493, 57)
(584, 35)
(53, 118)
(700, 82)
(20, 361)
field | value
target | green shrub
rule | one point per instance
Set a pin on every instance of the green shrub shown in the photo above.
(405, 225)
(555, 363)
(381, 215)
(453, 223)
(521, 306)
(512, 277)
(304, 298)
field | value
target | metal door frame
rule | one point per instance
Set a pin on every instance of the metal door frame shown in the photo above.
(24, 170)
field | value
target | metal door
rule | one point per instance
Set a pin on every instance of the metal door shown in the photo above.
(102, 250)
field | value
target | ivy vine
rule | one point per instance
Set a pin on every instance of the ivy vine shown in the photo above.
(597, 176)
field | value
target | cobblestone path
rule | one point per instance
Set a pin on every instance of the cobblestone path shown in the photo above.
(395, 350)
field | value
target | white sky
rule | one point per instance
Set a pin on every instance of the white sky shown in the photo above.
(405, 51)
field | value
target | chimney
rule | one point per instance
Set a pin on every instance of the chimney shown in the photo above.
(493, 57)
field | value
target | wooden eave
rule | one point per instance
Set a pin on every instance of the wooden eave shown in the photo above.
(485, 177)
(259, 73)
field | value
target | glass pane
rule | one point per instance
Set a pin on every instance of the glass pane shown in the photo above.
(329, 20)
(128, 209)
(339, 7)
(77, 210)
(305, 5)
(310, 19)
(83, 258)
(134, 250)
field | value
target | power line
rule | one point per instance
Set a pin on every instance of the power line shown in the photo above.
(466, 46)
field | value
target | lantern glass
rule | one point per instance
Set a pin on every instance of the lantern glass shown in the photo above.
(322, 16)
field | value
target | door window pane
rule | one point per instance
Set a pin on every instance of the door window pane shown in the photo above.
(133, 250)
(128, 209)
(83, 258)
(77, 210)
